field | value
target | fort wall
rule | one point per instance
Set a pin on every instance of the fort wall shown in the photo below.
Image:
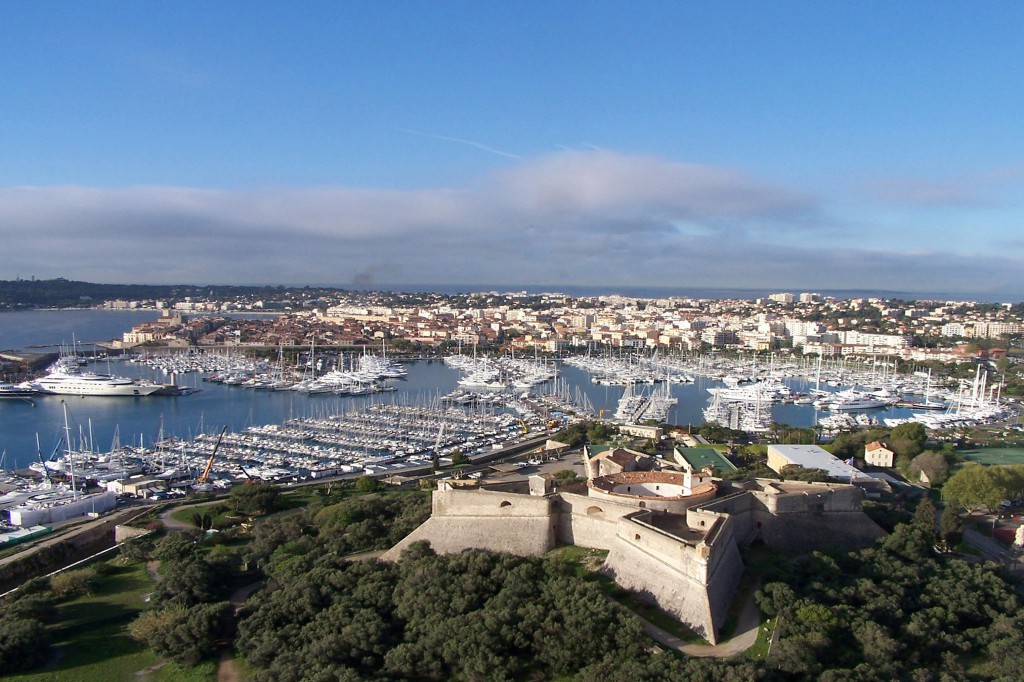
(692, 580)
(485, 519)
(659, 490)
(679, 551)
(589, 522)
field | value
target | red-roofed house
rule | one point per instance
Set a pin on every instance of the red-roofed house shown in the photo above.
(879, 455)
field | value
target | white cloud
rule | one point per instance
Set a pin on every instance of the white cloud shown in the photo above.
(585, 217)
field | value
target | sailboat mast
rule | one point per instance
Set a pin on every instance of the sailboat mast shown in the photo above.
(71, 456)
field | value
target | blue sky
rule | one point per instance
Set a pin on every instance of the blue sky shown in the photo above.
(783, 145)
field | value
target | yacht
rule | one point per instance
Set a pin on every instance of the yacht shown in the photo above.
(15, 392)
(63, 382)
(845, 401)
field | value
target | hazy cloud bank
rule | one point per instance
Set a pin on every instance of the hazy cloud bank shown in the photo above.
(574, 217)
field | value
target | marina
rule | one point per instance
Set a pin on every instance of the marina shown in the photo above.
(361, 412)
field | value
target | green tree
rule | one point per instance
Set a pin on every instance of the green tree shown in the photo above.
(24, 643)
(186, 635)
(1010, 480)
(774, 598)
(367, 484)
(191, 581)
(932, 464)
(795, 472)
(924, 515)
(178, 546)
(908, 440)
(255, 499)
(70, 584)
(951, 528)
(973, 488)
(458, 458)
(565, 477)
(137, 549)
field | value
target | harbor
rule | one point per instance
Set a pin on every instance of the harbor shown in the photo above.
(233, 418)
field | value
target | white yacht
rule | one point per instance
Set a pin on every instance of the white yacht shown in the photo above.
(63, 382)
(851, 399)
(15, 392)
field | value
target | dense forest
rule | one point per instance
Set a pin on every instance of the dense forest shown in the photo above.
(898, 610)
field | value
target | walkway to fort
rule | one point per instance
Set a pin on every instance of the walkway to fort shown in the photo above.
(745, 637)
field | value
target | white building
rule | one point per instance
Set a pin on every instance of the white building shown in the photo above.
(811, 457)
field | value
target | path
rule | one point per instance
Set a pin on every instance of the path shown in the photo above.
(227, 668)
(364, 556)
(171, 523)
(239, 596)
(747, 627)
(746, 634)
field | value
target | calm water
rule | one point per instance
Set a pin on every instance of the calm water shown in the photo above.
(22, 328)
(134, 419)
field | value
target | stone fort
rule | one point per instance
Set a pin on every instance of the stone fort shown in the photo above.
(671, 536)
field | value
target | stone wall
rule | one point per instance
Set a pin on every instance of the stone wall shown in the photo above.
(485, 519)
(588, 522)
(741, 508)
(689, 565)
(619, 487)
(56, 551)
(786, 498)
(695, 583)
(804, 532)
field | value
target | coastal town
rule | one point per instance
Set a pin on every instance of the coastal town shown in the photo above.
(552, 323)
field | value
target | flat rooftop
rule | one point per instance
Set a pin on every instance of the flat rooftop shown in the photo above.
(699, 457)
(814, 457)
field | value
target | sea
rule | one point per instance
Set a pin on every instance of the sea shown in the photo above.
(28, 431)
(1008, 294)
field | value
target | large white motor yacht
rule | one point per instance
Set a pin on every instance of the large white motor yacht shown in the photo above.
(62, 382)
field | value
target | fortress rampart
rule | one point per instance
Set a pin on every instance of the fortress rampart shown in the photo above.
(674, 543)
(484, 519)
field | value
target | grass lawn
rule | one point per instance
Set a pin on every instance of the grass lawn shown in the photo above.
(91, 642)
(759, 650)
(991, 456)
(221, 519)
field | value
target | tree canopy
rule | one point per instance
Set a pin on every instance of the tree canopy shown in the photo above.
(973, 487)
(895, 611)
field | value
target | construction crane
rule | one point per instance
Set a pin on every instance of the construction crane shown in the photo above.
(526, 428)
(249, 478)
(205, 476)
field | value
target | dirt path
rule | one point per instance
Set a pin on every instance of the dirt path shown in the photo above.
(364, 556)
(239, 596)
(171, 523)
(746, 634)
(153, 569)
(227, 668)
(745, 637)
(146, 673)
